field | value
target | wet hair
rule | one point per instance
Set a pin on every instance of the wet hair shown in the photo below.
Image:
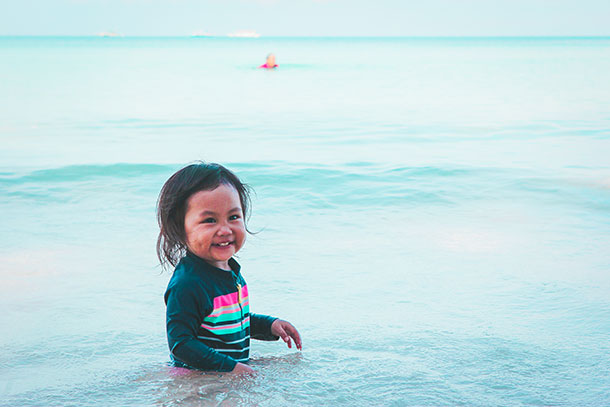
(173, 201)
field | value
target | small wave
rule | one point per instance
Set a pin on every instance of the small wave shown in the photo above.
(319, 186)
(76, 182)
(366, 184)
(307, 185)
(73, 173)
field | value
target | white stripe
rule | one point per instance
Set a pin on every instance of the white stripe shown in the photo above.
(220, 340)
(242, 360)
(232, 350)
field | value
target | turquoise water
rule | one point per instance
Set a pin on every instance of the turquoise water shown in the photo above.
(433, 215)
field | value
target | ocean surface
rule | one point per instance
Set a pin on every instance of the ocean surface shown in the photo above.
(433, 215)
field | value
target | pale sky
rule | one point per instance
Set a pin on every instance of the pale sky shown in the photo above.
(308, 17)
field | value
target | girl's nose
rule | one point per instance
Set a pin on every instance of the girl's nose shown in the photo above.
(223, 230)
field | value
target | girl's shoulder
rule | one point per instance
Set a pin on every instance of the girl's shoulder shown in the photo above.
(187, 271)
(196, 272)
(186, 282)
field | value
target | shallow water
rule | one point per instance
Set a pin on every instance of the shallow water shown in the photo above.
(436, 225)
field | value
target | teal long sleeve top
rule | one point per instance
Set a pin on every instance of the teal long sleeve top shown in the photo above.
(209, 324)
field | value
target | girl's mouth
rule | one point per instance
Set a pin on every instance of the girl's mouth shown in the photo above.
(223, 244)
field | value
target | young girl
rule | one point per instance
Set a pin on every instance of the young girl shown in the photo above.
(201, 212)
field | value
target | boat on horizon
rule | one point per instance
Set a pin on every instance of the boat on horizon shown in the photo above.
(201, 33)
(244, 34)
(109, 34)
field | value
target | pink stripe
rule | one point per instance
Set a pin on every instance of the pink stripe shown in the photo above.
(230, 299)
(224, 300)
(214, 328)
(230, 309)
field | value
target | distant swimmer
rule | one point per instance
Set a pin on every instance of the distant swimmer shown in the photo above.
(270, 63)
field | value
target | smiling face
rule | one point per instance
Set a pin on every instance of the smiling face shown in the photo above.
(214, 225)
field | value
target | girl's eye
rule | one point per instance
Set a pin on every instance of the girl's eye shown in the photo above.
(234, 217)
(208, 220)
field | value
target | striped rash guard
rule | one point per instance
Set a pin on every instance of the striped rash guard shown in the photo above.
(209, 324)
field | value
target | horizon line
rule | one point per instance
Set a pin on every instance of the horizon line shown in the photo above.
(119, 36)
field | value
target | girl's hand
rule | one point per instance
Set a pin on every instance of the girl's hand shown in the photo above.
(286, 331)
(241, 368)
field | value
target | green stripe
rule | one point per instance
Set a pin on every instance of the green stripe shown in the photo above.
(232, 316)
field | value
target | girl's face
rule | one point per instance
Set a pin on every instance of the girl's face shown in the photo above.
(214, 225)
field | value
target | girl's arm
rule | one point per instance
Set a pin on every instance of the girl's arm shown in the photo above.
(260, 327)
(183, 320)
(267, 328)
(287, 331)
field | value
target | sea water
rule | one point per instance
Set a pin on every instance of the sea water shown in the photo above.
(432, 214)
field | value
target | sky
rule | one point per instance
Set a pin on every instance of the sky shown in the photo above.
(307, 17)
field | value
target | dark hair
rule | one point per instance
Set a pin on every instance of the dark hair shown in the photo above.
(172, 204)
